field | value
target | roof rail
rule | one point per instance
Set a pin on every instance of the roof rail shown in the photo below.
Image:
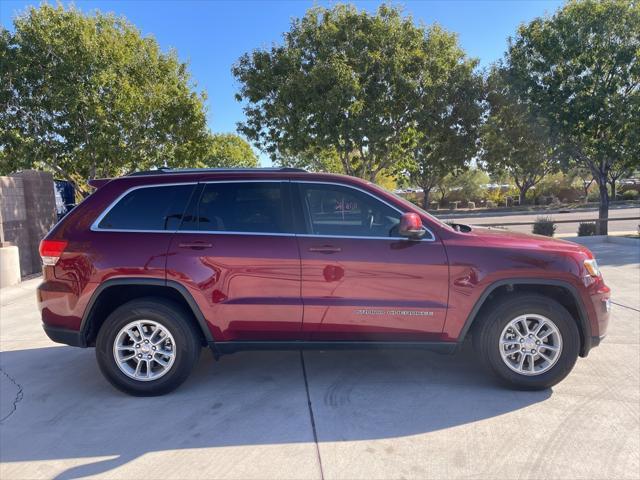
(163, 171)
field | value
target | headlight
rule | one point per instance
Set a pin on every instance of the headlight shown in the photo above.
(592, 267)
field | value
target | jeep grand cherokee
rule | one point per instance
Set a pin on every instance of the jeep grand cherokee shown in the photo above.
(153, 266)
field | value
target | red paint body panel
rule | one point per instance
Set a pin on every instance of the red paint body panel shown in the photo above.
(353, 294)
(248, 287)
(264, 287)
(484, 256)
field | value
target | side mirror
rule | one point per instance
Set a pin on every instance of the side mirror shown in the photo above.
(411, 226)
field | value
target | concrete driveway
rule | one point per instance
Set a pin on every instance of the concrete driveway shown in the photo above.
(379, 414)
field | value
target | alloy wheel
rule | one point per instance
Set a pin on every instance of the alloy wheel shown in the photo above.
(144, 350)
(530, 344)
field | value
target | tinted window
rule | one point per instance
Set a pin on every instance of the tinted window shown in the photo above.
(252, 207)
(149, 208)
(344, 211)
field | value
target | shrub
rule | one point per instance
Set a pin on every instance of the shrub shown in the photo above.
(587, 229)
(594, 196)
(630, 195)
(558, 185)
(544, 226)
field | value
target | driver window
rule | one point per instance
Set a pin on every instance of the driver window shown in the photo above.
(343, 211)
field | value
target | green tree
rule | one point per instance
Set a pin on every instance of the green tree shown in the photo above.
(87, 95)
(343, 81)
(515, 141)
(447, 113)
(580, 69)
(469, 185)
(228, 150)
(327, 160)
(584, 178)
(623, 168)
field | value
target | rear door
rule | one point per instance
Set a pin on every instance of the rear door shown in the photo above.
(237, 254)
(360, 280)
(132, 236)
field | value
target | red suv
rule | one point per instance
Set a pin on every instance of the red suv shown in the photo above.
(153, 266)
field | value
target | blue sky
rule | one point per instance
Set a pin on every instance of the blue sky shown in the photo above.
(210, 35)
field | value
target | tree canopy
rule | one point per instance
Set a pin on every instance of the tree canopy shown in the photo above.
(86, 96)
(448, 113)
(515, 140)
(226, 150)
(348, 83)
(579, 68)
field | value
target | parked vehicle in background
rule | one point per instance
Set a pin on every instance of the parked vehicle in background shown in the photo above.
(65, 194)
(156, 265)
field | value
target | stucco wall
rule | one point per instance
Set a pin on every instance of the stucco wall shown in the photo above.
(27, 204)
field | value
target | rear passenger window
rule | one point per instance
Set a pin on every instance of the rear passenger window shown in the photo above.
(251, 207)
(149, 208)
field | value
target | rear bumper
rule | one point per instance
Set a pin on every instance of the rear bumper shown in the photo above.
(64, 335)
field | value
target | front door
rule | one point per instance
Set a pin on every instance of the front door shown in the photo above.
(237, 255)
(360, 280)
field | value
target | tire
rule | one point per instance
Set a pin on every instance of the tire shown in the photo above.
(495, 327)
(162, 322)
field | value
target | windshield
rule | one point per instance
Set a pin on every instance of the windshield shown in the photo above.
(409, 204)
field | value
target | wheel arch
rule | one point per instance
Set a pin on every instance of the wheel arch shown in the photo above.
(559, 290)
(120, 290)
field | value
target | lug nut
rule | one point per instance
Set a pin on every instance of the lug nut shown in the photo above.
(522, 340)
(146, 341)
(149, 357)
(533, 351)
(522, 350)
(537, 342)
(139, 355)
(153, 348)
(137, 345)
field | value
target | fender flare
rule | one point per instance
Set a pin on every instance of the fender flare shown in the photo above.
(582, 320)
(158, 282)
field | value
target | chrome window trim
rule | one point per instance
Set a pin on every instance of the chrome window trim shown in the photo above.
(320, 182)
(95, 228)
(219, 232)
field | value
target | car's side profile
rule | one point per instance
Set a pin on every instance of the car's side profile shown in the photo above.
(152, 267)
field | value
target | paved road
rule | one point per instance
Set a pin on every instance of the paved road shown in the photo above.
(562, 228)
(378, 415)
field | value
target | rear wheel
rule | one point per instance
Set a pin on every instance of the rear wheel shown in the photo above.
(529, 341)
(147, 347)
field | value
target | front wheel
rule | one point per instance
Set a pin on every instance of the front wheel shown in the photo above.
(147, 347)
(529, 341)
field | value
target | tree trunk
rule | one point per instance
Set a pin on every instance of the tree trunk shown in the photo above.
(603, 211)
(426, 198)
(523, 194)
(613, 189)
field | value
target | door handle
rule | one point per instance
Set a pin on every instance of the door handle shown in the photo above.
(195, 245)
(325, 249)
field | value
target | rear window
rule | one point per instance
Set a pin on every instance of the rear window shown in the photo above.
(251, 207)
(148, 208)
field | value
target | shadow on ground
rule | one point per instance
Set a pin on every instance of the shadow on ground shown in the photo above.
(254, 398)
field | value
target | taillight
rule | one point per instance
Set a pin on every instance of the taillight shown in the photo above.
(50, 251)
